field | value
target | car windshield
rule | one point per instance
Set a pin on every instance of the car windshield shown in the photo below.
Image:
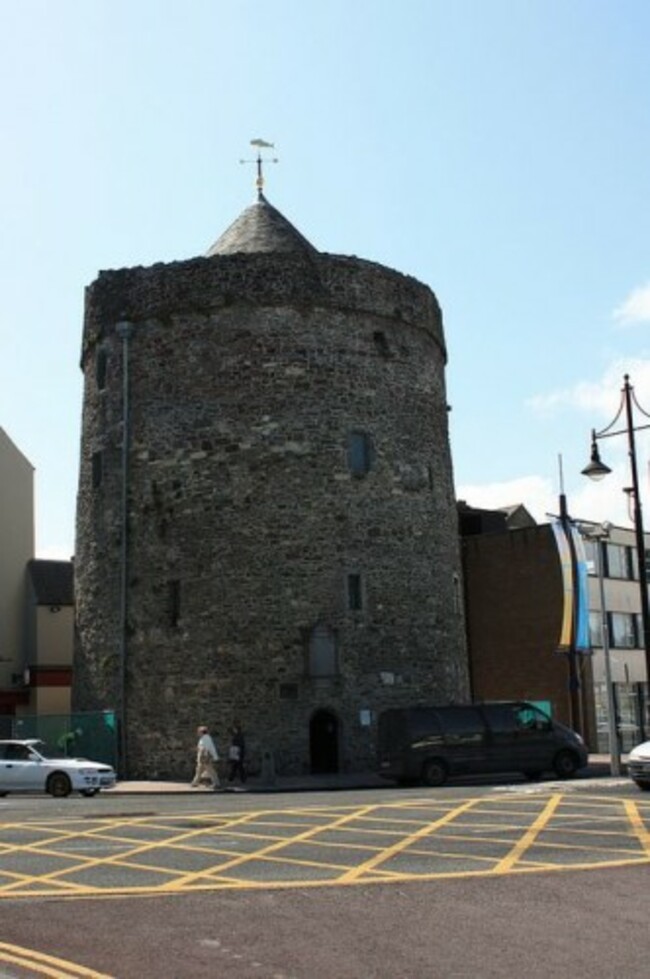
(43, 749)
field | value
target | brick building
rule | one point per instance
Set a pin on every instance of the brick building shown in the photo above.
(514, 602)
(266, 523)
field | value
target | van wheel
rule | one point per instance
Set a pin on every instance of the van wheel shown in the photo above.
(565, 764)
(434, 772)
(58, 785)
(644, 786)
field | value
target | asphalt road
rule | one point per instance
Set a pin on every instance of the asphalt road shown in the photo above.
(474, 880)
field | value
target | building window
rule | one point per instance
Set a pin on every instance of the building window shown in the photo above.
(618, 561)
(97, 468)
(355, 598)
(174, 602)
(592, 556)
(101, 361)
(288, 691)
(322, 659)
(634, 561)
(621, 629)
(381, 343)
(595, 629)
(359, 452)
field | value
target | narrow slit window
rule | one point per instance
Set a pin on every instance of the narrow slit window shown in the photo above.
(174, 598)
(359, 453)
(100, 368)
(355, 598)
(381, 343)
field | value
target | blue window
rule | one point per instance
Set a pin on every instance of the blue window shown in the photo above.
(359, 453)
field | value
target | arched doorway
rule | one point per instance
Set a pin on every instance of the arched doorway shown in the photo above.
(324, 742)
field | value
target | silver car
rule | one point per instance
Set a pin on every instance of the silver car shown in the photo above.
(638, 765)
(27, 766)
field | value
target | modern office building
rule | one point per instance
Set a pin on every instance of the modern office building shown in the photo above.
(618, 625)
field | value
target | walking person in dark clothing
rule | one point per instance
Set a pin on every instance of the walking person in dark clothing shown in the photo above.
(236, 753)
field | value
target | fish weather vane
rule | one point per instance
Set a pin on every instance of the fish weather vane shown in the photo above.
(261, 144)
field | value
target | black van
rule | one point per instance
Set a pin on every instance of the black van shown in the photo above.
(428, 744)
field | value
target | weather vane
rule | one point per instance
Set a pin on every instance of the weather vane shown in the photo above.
(261, 144)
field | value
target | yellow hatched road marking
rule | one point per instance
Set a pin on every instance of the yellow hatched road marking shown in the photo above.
(638, 825)
(301, 837)
(405, 842)
(529, 836)
(120, 860)
(476, 821)
(46, 965)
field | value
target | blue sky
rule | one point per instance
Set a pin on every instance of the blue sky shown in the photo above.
(498, 151)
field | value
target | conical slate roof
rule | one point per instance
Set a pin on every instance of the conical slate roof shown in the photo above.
(260, 228)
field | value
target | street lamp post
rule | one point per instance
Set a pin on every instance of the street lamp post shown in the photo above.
(596, 469)
(597, 534)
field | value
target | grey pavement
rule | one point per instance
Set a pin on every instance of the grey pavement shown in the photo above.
(305, 783)
(598, 767)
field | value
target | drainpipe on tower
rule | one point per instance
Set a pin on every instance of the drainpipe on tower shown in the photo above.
(124, 330)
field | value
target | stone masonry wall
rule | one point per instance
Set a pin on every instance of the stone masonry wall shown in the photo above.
(247, 376)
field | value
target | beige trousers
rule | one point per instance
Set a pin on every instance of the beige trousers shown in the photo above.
(205, 769)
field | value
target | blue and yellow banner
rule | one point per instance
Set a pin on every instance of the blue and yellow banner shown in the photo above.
(574, 631)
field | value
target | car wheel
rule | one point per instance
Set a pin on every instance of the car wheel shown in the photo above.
(58, 785)
(89, 793)
(532, 776)
(644, 786)
(3, 794)
(565, 764)
(434, 772)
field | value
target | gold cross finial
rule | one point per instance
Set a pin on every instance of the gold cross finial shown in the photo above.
(261, 144)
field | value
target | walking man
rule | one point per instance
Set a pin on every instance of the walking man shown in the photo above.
(207, 757)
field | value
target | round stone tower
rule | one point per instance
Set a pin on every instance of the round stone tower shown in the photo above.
(266, 522)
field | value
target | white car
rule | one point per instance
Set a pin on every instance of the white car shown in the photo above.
(27, 766)
(638, 765)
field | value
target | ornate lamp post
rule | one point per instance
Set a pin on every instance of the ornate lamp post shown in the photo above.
(596, 469)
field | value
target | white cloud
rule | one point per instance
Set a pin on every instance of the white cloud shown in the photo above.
(534, 492)
(584, 396)
(635, 308)
(600, 399)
